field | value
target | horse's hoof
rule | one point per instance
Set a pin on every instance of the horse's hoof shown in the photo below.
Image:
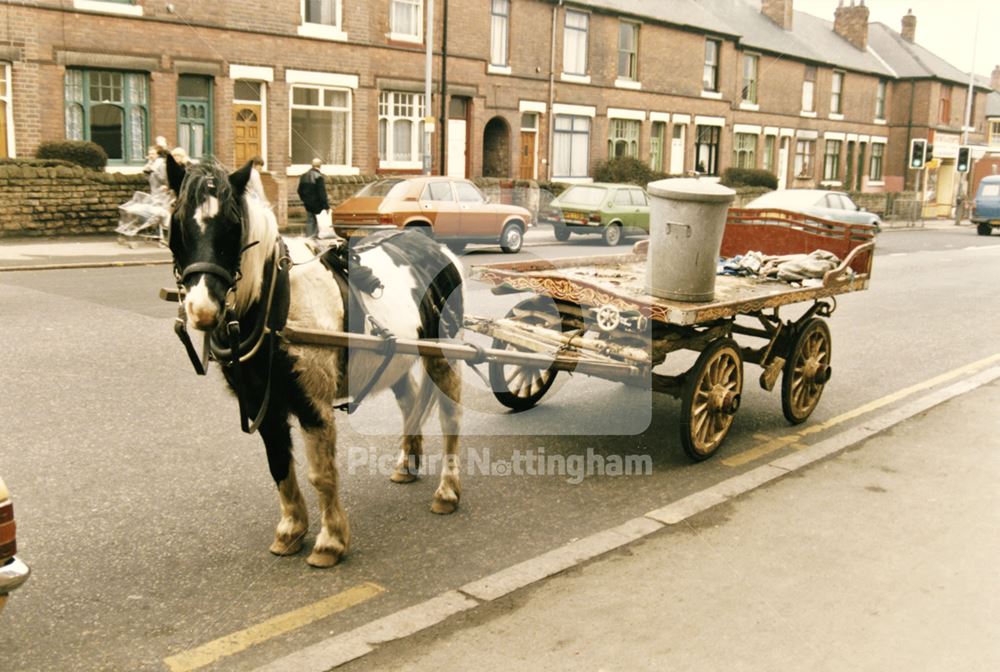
(324, 558)
(399, 476)
(443, 506)
(291, 547)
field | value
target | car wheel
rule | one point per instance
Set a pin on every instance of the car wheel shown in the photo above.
(456, 246)
(512, 238)
(422, 228)
(612, 234)
(561, 232)
(984, 229)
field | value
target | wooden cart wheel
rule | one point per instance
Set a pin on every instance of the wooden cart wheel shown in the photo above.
(521, 387)
(807, 371)
(711, 398)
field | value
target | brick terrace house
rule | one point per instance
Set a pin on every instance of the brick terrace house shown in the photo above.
(535, 89)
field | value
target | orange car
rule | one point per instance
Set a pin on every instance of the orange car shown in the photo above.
(452, 210)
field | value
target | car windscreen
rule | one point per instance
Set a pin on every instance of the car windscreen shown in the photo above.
(583, 195)
(383, 189)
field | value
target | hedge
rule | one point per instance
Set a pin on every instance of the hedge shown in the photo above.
(748, 177)
(86, 154)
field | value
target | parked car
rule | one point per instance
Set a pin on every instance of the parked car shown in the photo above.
(611, 210)
(986, 212)
(451, 210)
(833, 205)
(13, 571)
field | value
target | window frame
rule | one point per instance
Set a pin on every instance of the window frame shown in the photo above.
(630, 138)
(715, 137)
(571, 133)
(6, 75)
(881, 93)
(810, 70)
(837, 92)
(387, 152)
(633, 66)
(348, 140)
(324, 31)
(831, 160)
(395, 36)
(877, 159)
(803, 164)
(744, 145)
(586, 42)
(86, 104)
(711, 65)
(748, 92)
(505, 17)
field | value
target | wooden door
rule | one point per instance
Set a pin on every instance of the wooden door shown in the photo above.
(246, 133)
(527, 171)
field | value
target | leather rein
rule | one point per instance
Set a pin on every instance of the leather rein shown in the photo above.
(225, 344)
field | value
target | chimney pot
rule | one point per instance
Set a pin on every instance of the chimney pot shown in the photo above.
(851, 23)
(780, 12)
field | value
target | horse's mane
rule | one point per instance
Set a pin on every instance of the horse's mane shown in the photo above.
(201, 181)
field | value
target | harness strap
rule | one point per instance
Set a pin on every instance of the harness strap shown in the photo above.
(388, 352)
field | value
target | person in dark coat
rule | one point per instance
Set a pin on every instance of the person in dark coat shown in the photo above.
(312, 191)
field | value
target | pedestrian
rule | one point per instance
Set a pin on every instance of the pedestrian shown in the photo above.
(256, 186)
(312, 191)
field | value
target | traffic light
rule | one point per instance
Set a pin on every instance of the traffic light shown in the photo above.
(918, 153)
(964, 159)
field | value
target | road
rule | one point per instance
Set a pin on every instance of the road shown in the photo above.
(146, 515)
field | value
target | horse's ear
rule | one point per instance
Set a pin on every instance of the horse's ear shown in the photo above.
(175, 174)
(241, 178)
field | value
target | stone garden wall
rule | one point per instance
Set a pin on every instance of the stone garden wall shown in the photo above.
(47, 198)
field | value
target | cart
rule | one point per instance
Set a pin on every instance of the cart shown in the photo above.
(593, 316)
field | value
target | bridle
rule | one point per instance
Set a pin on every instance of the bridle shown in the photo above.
(225, 344)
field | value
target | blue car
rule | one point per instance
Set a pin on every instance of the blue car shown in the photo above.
(986, 213)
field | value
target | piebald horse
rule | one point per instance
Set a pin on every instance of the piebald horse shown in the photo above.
(227, 253)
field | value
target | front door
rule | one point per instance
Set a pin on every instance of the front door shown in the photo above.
(783, 163)
(677, 150)
(849, 176)
(527, 171)
(246, 133)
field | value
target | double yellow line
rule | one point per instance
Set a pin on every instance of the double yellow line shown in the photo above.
(771, 445)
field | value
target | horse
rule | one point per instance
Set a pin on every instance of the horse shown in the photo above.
(233, 267)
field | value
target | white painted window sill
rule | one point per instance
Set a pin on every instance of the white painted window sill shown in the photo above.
(831, 183)
(498, 69)
(750, 107)
(107, 7)
(876, 184)
(880, 122)
(836, 117)
(124, 170)
(300, 168)
(808, 115)
(404, 37)
(322, 32)
(401, 165)
(574, 79)
(714, 95)
(628, 84)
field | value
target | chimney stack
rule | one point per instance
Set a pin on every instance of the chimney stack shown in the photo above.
(851, 23)
(909, 31)
(779, 11)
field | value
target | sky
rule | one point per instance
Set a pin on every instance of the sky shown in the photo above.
(946, 27)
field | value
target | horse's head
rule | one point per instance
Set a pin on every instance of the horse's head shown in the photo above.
(207, 236)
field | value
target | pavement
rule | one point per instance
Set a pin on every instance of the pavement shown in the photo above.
(882, 557)
(111, 250)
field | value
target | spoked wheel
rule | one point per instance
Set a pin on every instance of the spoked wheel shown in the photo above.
(521, 387)
(807, 371)
(711, 398)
